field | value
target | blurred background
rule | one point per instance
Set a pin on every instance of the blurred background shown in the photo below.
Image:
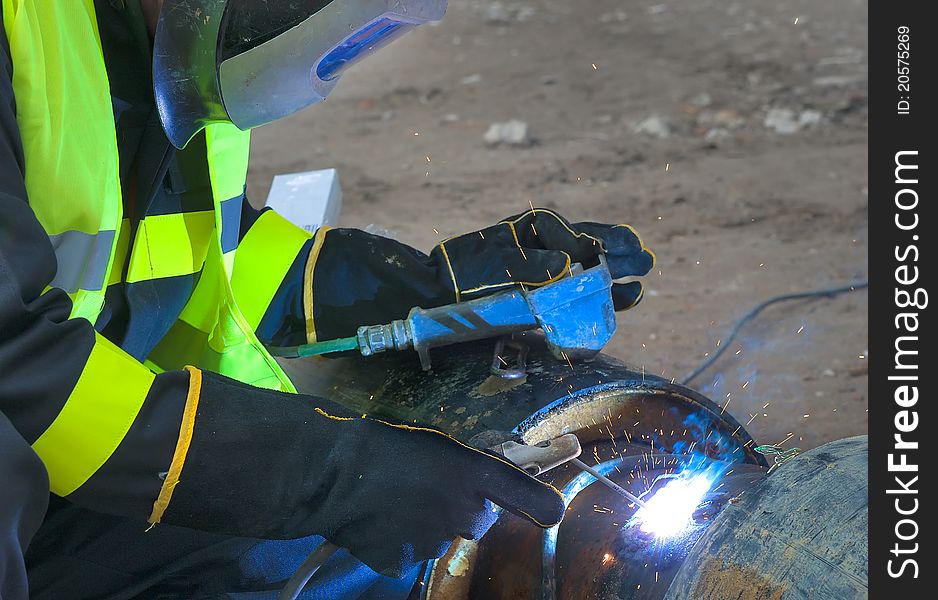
(732, 135)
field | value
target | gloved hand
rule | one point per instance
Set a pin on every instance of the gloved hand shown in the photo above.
(272, 465)
(362, 279)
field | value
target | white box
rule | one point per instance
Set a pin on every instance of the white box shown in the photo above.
(308, 200)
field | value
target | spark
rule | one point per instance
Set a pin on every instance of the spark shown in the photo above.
(796, 21)
(607, 558)
(435, 231)
(725, 405)
(667, 167)
(428, 158)
(594, 66)
(800, 329)
(567, 358)
(481, 235)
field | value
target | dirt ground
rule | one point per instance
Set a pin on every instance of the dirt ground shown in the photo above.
(731, 134)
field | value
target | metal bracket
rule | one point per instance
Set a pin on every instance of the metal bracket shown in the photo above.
(501, 367)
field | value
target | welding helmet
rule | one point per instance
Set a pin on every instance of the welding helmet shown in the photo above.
(250, 62)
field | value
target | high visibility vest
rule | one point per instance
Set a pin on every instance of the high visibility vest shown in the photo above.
(66, 121)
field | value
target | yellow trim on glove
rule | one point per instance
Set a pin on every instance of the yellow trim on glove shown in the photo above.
(319, 239)
(452, 274)
(182, 446)
(654, 257)
(546, 211)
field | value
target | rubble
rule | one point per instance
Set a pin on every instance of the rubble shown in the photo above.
(701, 100)
(654, 125)
(784, 121)
(502, 13)
(510, 133)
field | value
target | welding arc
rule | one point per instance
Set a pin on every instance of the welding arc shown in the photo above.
(828, 293)
(607, 482)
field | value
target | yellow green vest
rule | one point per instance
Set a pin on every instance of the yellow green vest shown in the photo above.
(65, 117)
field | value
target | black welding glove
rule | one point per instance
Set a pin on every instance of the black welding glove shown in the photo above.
(272, 465)
(362, 279)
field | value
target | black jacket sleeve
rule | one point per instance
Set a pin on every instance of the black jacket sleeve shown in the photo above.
(43, 352)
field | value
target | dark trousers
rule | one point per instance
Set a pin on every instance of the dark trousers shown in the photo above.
(24, 493)
(77, 554)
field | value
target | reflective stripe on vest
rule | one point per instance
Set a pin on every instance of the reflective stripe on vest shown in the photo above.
(66, 122)
(170, 245)
(94, 420)
(265, 255)
(82, 259)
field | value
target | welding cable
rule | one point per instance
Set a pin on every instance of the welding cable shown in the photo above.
(315, 349)
(301, 577)
(827, 293)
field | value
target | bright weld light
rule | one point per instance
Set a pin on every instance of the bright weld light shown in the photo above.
(670, 510)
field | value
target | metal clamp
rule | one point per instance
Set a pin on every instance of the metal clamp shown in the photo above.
(502, 367)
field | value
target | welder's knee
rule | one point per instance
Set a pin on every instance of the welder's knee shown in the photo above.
(23, 500)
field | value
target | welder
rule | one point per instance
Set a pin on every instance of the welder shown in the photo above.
(139, 290)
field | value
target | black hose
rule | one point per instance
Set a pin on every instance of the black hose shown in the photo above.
(301, 577)
(827, 293)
